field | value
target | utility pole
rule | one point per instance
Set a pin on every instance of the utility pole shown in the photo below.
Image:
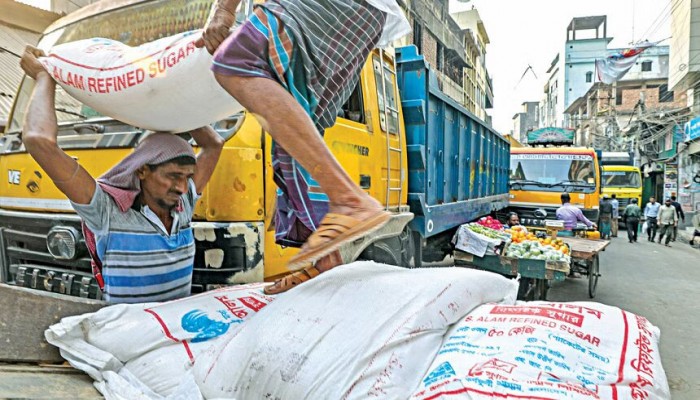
(640, 112)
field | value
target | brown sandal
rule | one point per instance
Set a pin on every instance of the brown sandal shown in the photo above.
(334, 231)
(296, 278)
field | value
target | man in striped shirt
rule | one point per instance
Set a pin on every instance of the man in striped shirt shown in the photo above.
(138, 213)
(293, 64)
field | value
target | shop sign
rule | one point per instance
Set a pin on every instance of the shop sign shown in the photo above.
(692, 129)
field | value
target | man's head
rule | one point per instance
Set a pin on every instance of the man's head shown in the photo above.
(605, 197)
(163, 184)
(513, 219)
(673, 198)
(614, 196)
(565, 198)
(634, 201)
(652, 200)
(156, 171)
(668, 202)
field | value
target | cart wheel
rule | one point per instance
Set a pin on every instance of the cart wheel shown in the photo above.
(593, 274)
(540, 289)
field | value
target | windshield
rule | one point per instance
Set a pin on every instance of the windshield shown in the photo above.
(132, 25)
(626, 179)
(553, 172)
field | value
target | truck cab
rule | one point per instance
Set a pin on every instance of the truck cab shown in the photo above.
(539, 176)
(621, 178)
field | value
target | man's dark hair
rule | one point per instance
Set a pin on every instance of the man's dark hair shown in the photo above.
(614, 196)
(673, 198)
(180, 160)
(565, 198)
(634, 201)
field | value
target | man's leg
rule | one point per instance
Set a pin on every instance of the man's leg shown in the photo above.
(630, 232)
(668, 231)
(289, 125)
(614, 227)
(675, 233)
(635, 228)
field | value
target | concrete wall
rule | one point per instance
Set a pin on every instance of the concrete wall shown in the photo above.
(684, 66)
(580, 56)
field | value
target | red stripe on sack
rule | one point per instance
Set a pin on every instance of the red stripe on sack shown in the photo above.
(169, 335)
(503, 395)
(622, 356)
(117, 67)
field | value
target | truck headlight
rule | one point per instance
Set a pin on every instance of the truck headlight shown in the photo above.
(62, 242)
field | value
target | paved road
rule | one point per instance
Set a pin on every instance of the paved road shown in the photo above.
(663, 285)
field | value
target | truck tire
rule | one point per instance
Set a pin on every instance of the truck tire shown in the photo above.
(397, 250)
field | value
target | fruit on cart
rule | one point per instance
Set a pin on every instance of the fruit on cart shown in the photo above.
(534, 249)
(490, 223)
(488, 232)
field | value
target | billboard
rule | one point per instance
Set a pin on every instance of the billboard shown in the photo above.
(551, 136)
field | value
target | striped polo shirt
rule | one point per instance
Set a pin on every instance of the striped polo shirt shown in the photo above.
(141, 261)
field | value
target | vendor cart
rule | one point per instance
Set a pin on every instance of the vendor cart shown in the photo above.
(534, 274)
(585, 260)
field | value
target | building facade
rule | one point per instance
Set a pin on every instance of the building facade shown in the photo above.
(478, 87)
(572, 71)
(526, 120)
(684, 75)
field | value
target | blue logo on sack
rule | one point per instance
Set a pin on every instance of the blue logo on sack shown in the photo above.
(441, 372)
(205, 327)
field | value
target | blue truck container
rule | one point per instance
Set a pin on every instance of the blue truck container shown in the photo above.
(458, 166)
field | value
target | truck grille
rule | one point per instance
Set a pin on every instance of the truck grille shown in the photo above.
(528, 217)
(25, 260)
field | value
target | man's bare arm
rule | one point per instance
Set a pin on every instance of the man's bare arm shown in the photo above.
(220, 21)
(210, 144)
(40, 132)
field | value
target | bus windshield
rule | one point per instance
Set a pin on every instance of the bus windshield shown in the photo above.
(625, 179)
(133, 25)
(553, 172)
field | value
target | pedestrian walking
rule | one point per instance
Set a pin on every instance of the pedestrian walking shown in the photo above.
(615, 214)
(606, 214)
(679, 214)
(667, 220)
(631, 216)
(293, 64)
(651, 213)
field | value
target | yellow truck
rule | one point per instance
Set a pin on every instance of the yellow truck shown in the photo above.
(425, 157)
(621, 178)
(539, 176)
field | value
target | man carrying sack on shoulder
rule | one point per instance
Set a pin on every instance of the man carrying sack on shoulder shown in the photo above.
(136, 217)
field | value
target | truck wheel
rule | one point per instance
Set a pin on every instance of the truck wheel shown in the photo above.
(393, 251)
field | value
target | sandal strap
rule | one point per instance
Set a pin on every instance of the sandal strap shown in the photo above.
(293, 279)
(331, 226)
